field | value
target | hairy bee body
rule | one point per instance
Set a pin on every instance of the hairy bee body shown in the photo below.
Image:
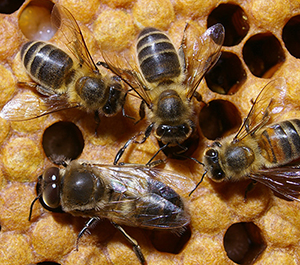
(166, 79)
(126, 195)
(56, 72)
(164, 70)
(266, 153)
(69, 78)
(275, 145)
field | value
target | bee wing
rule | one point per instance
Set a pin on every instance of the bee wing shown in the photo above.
(140, 200)
(73, 38)
(181, 184)
(30, 107)
(129, 73)
(205, 54)
(267, 104)
(283, 180)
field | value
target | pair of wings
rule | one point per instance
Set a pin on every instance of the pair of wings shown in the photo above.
(267, 106)
(32, 106)
(132, 181)
(205, 53)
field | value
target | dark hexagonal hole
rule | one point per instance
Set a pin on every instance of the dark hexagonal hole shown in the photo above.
(219, 118)
(227, 75)
(35, 20)
(62, 141)
(234, 20)
(9, 6)
(291, 36)
(263, 55)
(243, 243)
(168, 241)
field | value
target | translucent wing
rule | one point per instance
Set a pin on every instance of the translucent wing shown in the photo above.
(267, 104)
(284, 180)
(138, 199)
(206, 53)
(30, 106)
(129, 73)
(73, 38)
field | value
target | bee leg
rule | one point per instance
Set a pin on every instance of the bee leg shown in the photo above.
(136, 248)
(122, 150)
(42, 90)
(123, 110)
(97, 119)
(104, 64)
(156, 162)
(198, 96)
(152, 163)
(197, 185)
(132, 140)
(250, 187)
(181, 50)
(142, 113)
(85, 229)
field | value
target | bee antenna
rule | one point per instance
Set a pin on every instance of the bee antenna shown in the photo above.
(31, 206)
(198, 183)
(192, 158)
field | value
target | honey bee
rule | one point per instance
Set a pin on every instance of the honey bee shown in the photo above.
(166, 81)
(68, 80)
(129, 195)
(261, 151)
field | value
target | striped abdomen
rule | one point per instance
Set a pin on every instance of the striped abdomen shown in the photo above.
(280, 143)
(47, 65)
(157, 56)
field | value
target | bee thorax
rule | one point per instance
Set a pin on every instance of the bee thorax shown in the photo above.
(170, 105)
(239, 158)
(82, 189)
(91, 90)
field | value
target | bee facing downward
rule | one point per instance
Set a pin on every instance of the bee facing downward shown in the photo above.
(260, 151)
(126, 195)
(166, 81)
(69, 80)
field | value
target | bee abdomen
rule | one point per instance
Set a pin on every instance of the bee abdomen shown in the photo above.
(281, 142)
(157, 56)
(46, 64)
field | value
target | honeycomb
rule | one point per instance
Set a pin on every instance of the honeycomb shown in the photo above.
(261, 43)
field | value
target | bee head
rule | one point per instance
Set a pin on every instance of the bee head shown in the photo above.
(115, 100)
(174, 125)
(173, 134)
(212, 163)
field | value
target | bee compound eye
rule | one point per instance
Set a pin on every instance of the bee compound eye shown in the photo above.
(211, 153)
(51, 187)
(160, 130)
(185, 128)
